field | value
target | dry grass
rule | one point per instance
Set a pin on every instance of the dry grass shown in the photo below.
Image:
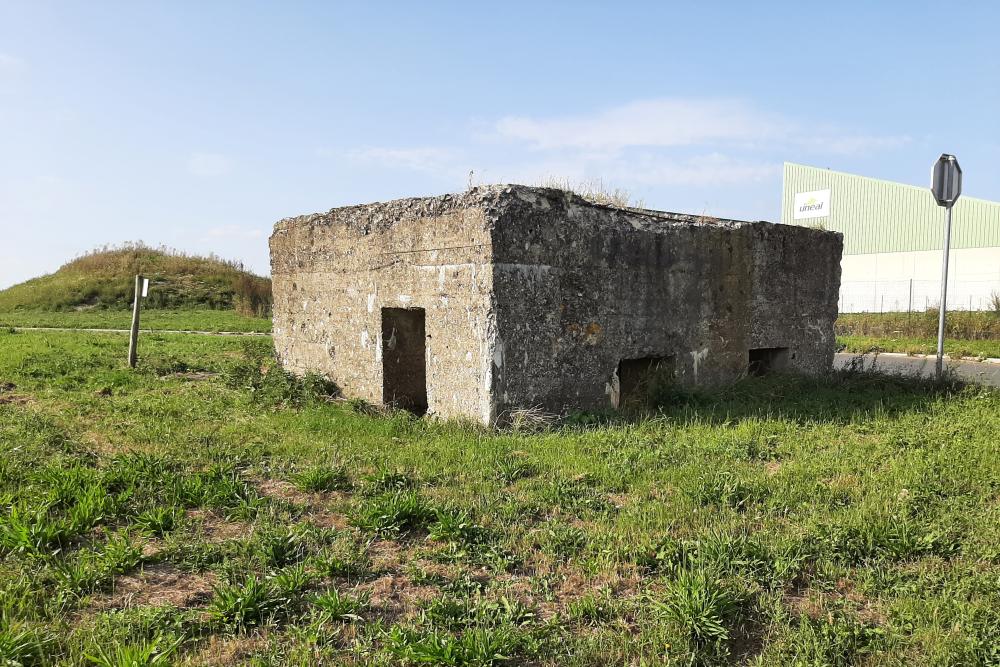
(961, 325)
(595, 191)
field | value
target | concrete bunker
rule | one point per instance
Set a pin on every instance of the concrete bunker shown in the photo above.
(507, 297)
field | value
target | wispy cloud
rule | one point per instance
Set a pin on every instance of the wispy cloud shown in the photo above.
(699, 170)
(208, 165)
(660, 123)
(657, 142)
(432, 160)
(677, 122)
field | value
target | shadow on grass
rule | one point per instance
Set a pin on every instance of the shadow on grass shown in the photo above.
(841, 396)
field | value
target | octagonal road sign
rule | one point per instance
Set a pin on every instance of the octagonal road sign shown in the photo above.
(946, 180)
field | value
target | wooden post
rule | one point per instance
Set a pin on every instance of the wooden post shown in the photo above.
(133, 339)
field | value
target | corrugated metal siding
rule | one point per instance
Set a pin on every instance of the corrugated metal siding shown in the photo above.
(881, 216)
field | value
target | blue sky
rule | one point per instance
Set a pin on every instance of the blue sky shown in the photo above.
(198, 125)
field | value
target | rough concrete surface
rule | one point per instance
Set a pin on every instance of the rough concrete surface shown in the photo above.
(533, 297)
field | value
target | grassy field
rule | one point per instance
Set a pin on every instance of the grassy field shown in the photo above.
(981, 349)
(178, 320)
(967, 334)
(202, 511)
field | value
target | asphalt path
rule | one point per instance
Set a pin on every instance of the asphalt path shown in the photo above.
(987, 373)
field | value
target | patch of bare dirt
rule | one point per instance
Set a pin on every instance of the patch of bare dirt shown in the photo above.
(317, 504)
(815, 603)
(15, 399)
(395, 595)
(218, 650)
(284, 490)
(218, 528)
(159, 585)
(190, 375)
(8, 397)
(388, 555)
(324, 518)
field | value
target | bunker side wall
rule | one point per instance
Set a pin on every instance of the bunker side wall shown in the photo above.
(796, 283)
(332, 275)
(580, 288)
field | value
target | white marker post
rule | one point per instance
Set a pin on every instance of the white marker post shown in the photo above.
(946, 186)
(141, 290)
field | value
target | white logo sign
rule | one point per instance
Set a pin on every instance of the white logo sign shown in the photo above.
(145, 286)
(815, 204)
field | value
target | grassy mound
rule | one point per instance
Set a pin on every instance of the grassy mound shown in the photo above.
(104, 279)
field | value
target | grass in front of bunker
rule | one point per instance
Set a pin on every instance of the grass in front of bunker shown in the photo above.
(178, 320)
(202, 511)
(956, 349)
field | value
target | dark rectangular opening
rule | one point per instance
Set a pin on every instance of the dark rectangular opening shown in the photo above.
(766, 360)
(404, 370)
(638, 379)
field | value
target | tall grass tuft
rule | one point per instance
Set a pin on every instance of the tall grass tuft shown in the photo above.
(962, 325)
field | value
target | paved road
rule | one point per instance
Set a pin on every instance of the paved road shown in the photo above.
(147, 331)
(970, 371)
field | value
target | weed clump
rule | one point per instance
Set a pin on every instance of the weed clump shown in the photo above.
(322, 478)
(393, 513)
(270, 385)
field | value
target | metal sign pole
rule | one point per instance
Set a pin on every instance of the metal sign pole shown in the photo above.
(944, 292)
(946, 186)
(133, 339)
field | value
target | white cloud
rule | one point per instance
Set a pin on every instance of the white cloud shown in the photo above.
(208, 165)
(677, 142)
(678, 122)
(632, 170)
(700, 170)
(660, 122)
(431, 160)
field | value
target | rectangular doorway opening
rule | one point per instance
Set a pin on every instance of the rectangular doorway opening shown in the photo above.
(766, 360)
(639, 380)
(404, 358)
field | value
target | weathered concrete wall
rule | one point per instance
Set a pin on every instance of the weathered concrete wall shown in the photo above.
(610, 284)
(333, 273)
(796, 282)
(533, 296)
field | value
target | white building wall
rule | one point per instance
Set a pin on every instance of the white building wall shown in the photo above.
(902, 281)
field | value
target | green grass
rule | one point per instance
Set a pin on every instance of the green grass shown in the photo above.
(155, 319)
(237, 516)
(967, 334)
(980, 349)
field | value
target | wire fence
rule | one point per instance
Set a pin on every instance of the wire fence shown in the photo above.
(895, 296)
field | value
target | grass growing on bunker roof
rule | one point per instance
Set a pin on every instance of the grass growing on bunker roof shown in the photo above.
(198, 511)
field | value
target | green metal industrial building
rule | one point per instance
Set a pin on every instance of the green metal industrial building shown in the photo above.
(893, 235)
